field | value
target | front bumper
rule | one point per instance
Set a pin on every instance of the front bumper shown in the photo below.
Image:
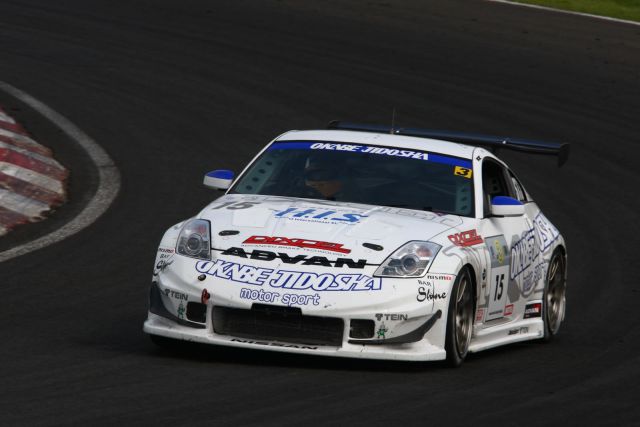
(405, 323)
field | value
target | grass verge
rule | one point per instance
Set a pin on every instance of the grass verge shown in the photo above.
(622, 9)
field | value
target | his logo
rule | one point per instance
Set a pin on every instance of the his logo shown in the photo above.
(466, 238)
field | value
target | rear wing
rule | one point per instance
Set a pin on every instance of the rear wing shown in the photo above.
(493, 143)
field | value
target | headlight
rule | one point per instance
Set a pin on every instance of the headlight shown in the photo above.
(411, 260)
(194, 239)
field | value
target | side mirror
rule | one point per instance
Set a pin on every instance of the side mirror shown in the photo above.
(506, 206)
(220, 179)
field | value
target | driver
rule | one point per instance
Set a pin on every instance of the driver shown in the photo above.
(323, 176)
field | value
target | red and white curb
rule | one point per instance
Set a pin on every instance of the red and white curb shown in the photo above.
(32, 182)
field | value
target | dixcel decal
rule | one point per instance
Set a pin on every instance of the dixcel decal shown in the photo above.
(295, 280)
(466, 238)
(296, 243)
(320, 215)
(318, 261)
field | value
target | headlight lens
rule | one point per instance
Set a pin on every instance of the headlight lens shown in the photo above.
(411, 260)
(194, 239)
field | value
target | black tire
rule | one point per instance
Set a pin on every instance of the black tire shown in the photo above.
(460, 319)
(554, 295)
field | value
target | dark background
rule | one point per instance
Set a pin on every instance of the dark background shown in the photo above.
(172, 89)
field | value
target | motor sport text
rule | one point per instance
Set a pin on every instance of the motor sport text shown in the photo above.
(288, 279)
(318, 261)
(296, 243)
(274, 297)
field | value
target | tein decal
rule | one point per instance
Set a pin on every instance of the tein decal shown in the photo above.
(296, 243)
(294, 280)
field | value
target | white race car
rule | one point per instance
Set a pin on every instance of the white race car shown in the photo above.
(369, 242)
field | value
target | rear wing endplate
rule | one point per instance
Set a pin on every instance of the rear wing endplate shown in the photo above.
(494, 143)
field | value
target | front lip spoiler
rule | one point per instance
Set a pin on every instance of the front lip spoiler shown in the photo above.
(413, 336)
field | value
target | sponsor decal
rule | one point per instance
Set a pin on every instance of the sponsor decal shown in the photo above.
(508, 310)
(283, 279)
(325, 216)
(181, 311)
(526, 268)
(274, 297)
(204, 297)
(464, 172)
(546, 232)
(165, 250)
(391, 316)
(425, 294)
(297, 243)
(466, 238)
(382, 331)
(161, 266)
(523, 254)
(479, 315)
(498, 251)
(318, 261)
(522, 330)
(175, 295)
(274, 344)
(533, 310)
(438, 277)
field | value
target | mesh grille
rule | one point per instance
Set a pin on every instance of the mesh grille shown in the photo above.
(274, 323)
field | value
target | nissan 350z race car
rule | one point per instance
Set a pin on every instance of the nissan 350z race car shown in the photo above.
(368, 242)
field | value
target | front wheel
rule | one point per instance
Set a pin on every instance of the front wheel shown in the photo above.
(459, 319)
(554, 297)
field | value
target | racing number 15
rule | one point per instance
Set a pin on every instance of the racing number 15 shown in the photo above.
(499, 284)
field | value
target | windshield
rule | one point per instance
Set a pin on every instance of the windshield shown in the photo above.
(366, 174)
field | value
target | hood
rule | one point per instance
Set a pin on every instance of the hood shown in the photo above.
(326, 229)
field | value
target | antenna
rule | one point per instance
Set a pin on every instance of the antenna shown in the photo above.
(393, 120)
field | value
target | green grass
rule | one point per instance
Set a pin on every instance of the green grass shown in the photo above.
(623, 9)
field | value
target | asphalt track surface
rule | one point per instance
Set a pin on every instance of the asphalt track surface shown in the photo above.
(172, 89)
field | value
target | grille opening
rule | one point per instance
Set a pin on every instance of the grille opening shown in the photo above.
(197, 312)
(278, 323)
(361, 328)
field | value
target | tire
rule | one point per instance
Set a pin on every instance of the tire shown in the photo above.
(460, 319)
(554, 296)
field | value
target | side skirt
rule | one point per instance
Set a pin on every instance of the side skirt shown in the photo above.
(507, 333)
